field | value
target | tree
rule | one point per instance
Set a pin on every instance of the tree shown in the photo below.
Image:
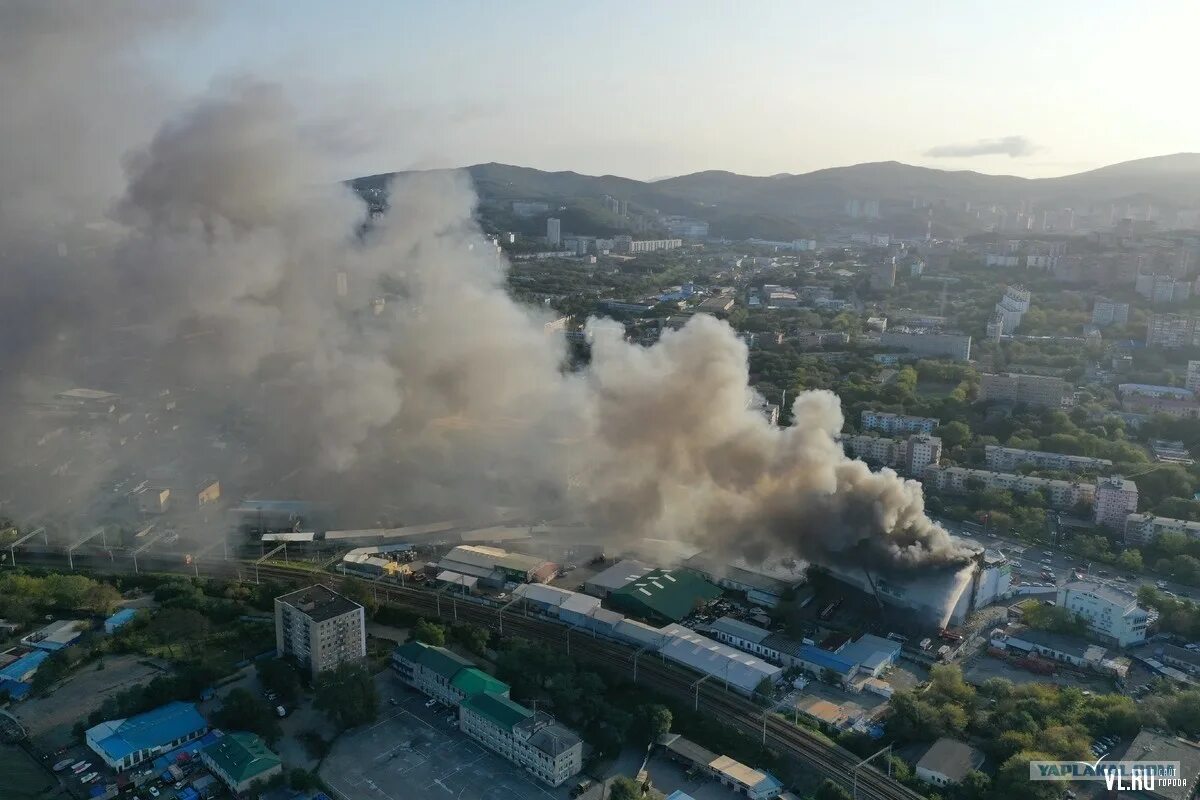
(473, 637)
(765, 690)
(241, 710)
(280, 676)
(828, 790)
(954, 434)
(429, 633)
(1131, 560)
(1165, 480)
(347, 694)
(653, 721)
(624, 788)
(357, 590)
(974, 786)
(173, 625)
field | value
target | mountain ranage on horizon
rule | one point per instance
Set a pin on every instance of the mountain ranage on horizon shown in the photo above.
(783, 205)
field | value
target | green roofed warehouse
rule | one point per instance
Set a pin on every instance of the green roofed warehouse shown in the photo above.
(664, 595)
(239, 759)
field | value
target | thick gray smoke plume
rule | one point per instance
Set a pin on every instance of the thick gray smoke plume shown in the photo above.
(258, 328)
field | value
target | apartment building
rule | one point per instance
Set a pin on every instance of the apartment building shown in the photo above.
(1035, 390)
(1162, 288)
(920, 451)
(1192, 382)
(530, 739)
(1111, 613)
(954, 346)
(877, 450)
(1142, 529)
(1116, 499)
(1171, 331)
(1061, 495)
(886, 422)
(320, 628)
(1007, 459)
(1107, 312)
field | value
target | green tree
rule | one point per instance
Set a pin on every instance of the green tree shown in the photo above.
(624, 788)
(347, 694)
(171, 626)
(652, 721)
(241, 710)
(954, 434)
(474, 638)
(429, 633)
(1165, 480)
(1131, 560)
(357, 590)
(828, 790)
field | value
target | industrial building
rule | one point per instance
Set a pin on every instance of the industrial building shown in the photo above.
(240, 759)
(497, 568)
(947, 762)
(1111, 613)
(1152, 746)
(119, 620)
(752, 783)
(16, 675)
(56, 635)
(320, 628)
(1060, 648)
(569, 607)
(664, 595)
(618, 576)
(936, 597)
(740, 671)
(125, 743)
(764, 584)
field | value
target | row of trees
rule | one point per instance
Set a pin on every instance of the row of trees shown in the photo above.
(25, 598)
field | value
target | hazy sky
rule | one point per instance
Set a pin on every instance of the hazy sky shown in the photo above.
(650, 89)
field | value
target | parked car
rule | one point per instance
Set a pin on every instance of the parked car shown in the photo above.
(154, 791)
(281, 711)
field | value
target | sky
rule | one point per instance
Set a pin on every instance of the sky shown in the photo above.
(655, 89)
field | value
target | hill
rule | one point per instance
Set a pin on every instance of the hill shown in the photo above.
(783, 205)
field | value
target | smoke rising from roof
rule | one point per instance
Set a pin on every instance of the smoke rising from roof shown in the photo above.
(420, 389)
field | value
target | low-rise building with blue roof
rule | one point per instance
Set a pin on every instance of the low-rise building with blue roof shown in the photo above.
(16, 676)
(119, 619)
(818, 661)
(125, 743)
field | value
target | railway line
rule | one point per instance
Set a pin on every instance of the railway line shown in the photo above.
(825, 758)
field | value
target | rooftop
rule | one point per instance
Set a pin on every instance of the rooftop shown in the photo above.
(668, 594)
(1105, 591)
(951, 758)
(472, 680)
(497, 708)
(686, 749)
(1149, 745)
(619, 574)
(242, 756)
(120, 737)
(436, 659)
(739, 629)
(319, 603)
(491, 557)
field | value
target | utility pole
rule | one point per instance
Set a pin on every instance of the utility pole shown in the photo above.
(866, 761)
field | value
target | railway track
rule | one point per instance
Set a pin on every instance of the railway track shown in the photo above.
(826, 759)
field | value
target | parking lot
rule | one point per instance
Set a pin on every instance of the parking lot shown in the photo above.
(414, 752)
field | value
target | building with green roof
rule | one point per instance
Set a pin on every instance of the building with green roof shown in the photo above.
(239, 759)
(531, 739)
(442, 674)
(664, 595)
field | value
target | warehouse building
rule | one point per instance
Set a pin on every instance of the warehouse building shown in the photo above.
(570, 607)
(618, 576)
(752, 783)
(56, 635)
(497, 568)
(125, 743)
(239, 760)
(1160, 747)
(873, 654)
(664, 595)
(764, 584)
(738, 670)
(1112, 614)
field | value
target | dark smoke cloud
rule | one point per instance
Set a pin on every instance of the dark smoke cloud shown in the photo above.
(1011, 146)
(384, 368)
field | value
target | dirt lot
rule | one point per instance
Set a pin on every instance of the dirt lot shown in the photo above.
(50, 719)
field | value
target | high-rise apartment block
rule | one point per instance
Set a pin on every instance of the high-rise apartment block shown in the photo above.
(554, 231)
(1116, 499)
(1171, 331)
(1036, 390)
(320, 628)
